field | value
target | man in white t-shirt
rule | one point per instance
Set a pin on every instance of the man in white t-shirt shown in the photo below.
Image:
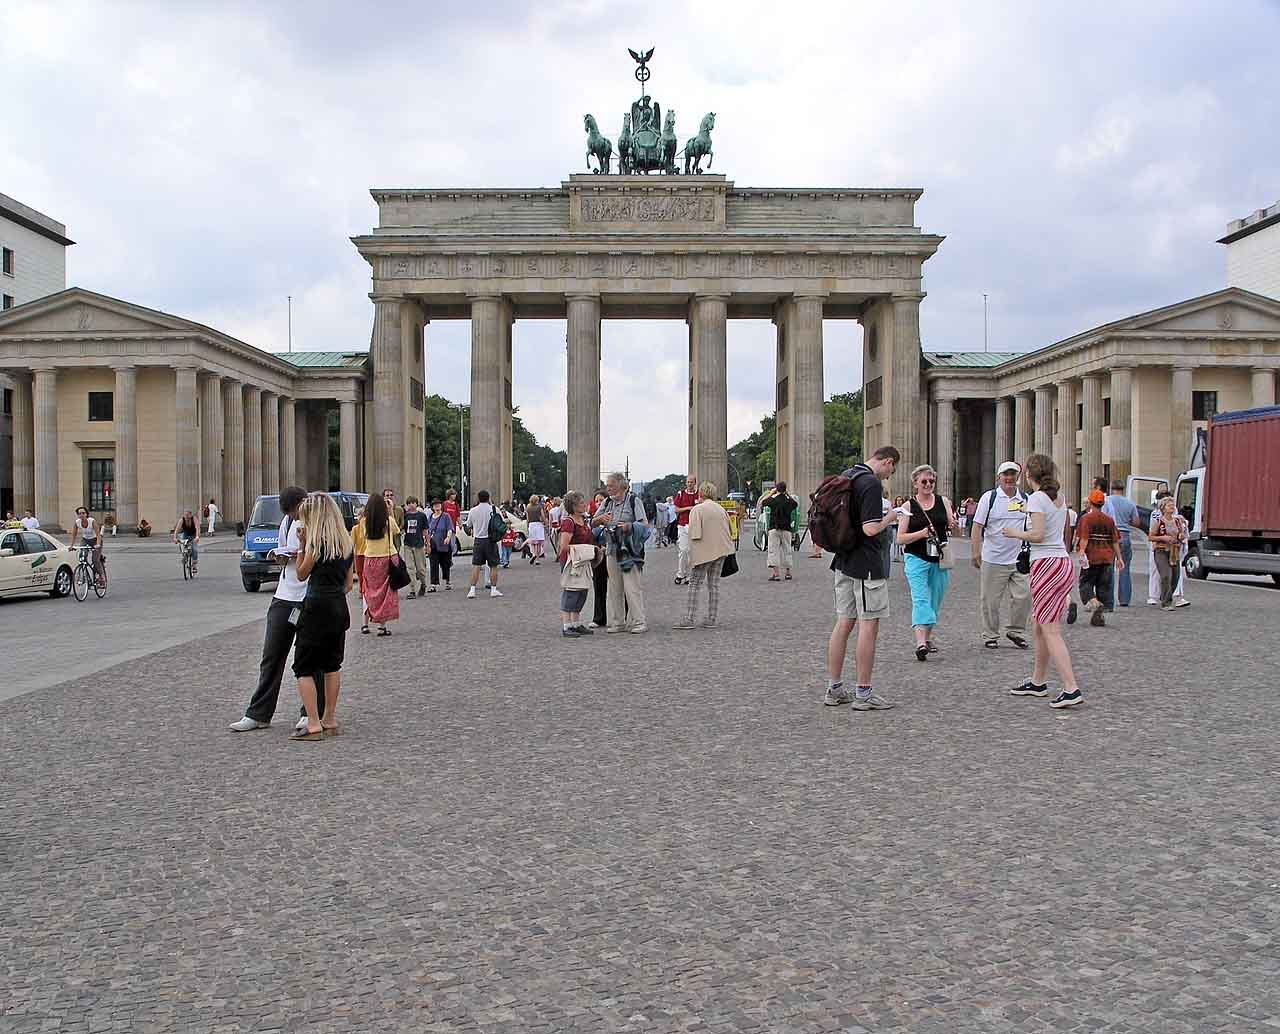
(997, 558)
(484, 550)
(29, 521)
(282, 621)
(213, 515)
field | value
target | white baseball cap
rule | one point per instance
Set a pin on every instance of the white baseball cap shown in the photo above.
(1006, 466)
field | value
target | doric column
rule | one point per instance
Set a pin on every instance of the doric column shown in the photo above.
(301, 453)
(45, 407)
(252, 447)
(270, 442)
(506, 437)
(347, 473)
(944, 447)
(24, 442)
(1091, 450)
(211, 440)
(288, 444)
(1023, 431)
(486, 394)
(1044, 420)
(1121, 422)
(710, 444)
(1180, 432)
(233, 476)
(389, 387)
(906, 412)
(583, 343)
(1264, 388)
(317, 478)
(808, 418)
(186, 442)
(990, 458)
(1064, 455)
(125, 417)
(1004, 433)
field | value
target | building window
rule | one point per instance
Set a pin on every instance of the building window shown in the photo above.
(784, 389)
(7, 302)
(416, 394)
(101, 405)
(506, 393)
(101, 475)
(874, 394)
(1204, 404)
(782, 345)
(1106, 412)
(1055, 421)
(1079, 416)
(8, 261)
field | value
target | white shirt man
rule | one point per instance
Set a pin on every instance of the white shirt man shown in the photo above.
(997, 556)
(213, 515)
(30, 522)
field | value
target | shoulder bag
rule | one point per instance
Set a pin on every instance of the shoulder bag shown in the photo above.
(945, 560)
(730, 566)
(397, 573)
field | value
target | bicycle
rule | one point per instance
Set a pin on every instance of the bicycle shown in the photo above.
(84, 575)
(185, 547)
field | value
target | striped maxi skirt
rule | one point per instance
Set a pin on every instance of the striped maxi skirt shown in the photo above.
(1051, 582)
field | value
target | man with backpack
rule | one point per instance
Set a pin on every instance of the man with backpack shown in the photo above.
(847, 518)
(487, 527)
(996, 556)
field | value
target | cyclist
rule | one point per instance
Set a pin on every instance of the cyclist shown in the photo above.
(188, 530)
(85, 528)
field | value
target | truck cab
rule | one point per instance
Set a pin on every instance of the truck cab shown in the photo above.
(262, 532)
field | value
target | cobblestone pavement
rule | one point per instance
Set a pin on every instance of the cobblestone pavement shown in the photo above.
(664, 832)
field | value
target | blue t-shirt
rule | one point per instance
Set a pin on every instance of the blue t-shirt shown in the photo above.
(438, 528)
(1123, 511)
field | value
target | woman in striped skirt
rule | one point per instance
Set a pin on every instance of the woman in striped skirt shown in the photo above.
(1053, 574)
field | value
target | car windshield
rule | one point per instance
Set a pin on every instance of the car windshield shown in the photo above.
(267, 513)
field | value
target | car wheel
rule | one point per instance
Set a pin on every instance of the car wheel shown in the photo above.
(61, 583)
(250, 586)
(1194, 568)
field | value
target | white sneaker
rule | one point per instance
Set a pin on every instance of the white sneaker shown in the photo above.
(302, 724)
(1181, 601)
(494, 592)
(247, 724)
(471, 593)
(1153, 603)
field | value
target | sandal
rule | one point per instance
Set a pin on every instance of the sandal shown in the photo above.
(303, 736)
(326, 730)
(774, 578)
(922, 652)
(384, 631)
(787, 577)
(991, 644)
(364, 629)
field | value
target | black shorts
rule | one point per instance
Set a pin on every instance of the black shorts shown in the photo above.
(484, 551)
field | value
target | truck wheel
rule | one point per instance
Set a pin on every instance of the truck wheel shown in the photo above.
(249, 585)
(1194, 568)
(1275, 578)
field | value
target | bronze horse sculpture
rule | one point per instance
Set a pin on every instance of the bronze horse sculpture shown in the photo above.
(598, 146)
(624, 146)
(699, 146)
(669, 143)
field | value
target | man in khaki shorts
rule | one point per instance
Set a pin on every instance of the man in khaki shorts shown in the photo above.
(862, 586)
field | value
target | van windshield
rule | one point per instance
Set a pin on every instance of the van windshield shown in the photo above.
(267, 513)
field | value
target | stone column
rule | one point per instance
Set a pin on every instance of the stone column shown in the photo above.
(270, 443)
(186, 442)
(318, 447)
(1023, 440)
(583, 343)
(1180, 432)
(301, 452)
(288, 445)
(1264, 388)
(506, 437)
(45, 405)
(709, 318)
(1121, 422)
(906, 412)
(990, 458)
(252, 447)
(486, 395)
(389, 387)
(125, 415)
(1004, 433)
(24, 440)
(808, 419)
(1091, 449)
(348, 475)
(211, 441)
(1064, 456)
(1044, 419)
(233, 476)
(944, 447)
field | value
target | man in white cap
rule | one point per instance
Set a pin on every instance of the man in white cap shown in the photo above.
(997, 558)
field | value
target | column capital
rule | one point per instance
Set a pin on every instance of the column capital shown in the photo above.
(1025, 393)
(1124, 364)
(124, 367)
(1085, 378)
(252, 389)
(42, 366)
(1184, 368)
(811, 296)
(711, 296)
(380, 296)
(485, 296)
(582, 296)
(907, 296)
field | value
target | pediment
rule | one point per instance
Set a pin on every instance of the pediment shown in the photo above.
(82, 312)
(1229, 311)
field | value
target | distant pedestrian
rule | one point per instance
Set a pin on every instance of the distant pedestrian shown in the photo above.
(29, 521)
(1098, 540)
(1168, 536)
(326, 566)
(1124, 512)
(710, 541)
(600, 573)
(622, 518)
(211, 511)
(924, 529)
(685, 500)
(537, 533)
(441, 533)
(861, 585)
(1177, 573)
(662, 520)
(415, 545)
(576, 554)
(85, 530)
(484, 546)
(455, 513)
(996, 557)
(782, 519)
(396, 515)
(375, 536)
(1052, 576)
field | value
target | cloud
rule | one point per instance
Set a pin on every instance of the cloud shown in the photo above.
(213, 160)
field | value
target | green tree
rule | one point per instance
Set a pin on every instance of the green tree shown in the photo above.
(842, 422)
(664, 486)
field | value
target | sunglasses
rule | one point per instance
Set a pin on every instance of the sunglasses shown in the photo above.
(928, 481)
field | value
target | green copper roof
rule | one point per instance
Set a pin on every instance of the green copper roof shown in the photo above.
(969, 359)
(322, 359)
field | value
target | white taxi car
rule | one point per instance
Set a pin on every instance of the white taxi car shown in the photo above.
(34, 561)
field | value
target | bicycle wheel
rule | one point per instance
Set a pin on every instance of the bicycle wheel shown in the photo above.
(80, 583)
(186, 567)
(100, 585)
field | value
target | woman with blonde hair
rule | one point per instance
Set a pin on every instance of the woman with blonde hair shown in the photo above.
(1168, 533)
(924, 525)
(1053, 573)
(326, 567)
(710, 541)
(375, 550)
(537, 531)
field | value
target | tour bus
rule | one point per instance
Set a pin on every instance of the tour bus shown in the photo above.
(263, 529)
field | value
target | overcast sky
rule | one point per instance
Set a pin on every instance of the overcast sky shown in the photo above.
(1081, 159)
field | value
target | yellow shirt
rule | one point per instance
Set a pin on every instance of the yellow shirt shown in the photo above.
(378, 547)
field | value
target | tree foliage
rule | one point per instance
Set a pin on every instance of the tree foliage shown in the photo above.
(667, 485)
(756, 458)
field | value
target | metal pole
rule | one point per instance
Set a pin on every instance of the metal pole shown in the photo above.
(984, 321)
(290, 297)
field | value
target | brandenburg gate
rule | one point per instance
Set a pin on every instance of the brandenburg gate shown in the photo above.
(695, 248)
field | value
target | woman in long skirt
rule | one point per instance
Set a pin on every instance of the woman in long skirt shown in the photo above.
(375, 552)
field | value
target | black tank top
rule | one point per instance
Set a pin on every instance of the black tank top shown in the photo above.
(937, 515)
